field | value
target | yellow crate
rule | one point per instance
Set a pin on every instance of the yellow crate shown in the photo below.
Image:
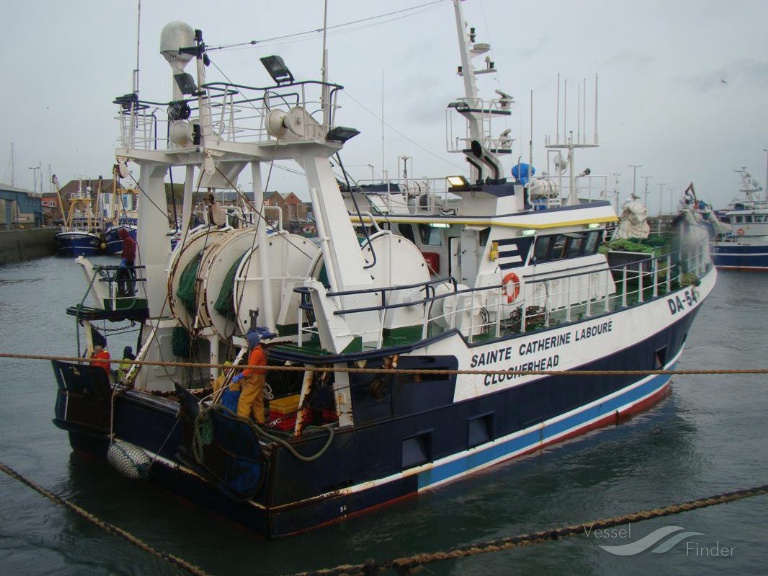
(285, 405)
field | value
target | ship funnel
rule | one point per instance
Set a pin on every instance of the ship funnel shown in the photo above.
(482, 154)
(174, 36)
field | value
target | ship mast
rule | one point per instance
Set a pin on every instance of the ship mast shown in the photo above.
(480, 147)
(467, 72)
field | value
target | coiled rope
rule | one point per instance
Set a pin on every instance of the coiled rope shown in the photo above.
(106, 526)
(409, 564)
(203, 435)
(263, 433)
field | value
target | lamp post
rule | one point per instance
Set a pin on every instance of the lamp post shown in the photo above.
(661, 195)
(34, 177)
(634, 176)
(645, 194)
(671, 194)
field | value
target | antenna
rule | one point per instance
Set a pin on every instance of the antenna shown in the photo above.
(326, 105)
(138, 44)
(567, 142)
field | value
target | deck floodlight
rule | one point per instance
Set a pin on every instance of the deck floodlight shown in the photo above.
(458, 182)
(186, 83)
(341, 134)
(127, 101)
(277, 69)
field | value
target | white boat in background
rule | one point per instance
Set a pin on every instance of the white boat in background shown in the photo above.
(435, 329)
(745, 246)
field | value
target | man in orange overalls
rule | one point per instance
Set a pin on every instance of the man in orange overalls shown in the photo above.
(251, 402)
(103, 356)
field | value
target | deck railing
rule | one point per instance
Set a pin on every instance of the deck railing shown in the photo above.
(229, 112)
(545, 300)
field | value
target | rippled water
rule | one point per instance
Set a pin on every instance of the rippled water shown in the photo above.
(707, 437)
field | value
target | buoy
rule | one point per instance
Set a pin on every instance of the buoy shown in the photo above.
(740, 231)
(128, 459)
(510, 287)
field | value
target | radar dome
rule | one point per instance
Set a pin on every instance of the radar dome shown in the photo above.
(174, 36)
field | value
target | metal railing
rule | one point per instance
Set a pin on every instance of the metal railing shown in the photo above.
(231, 112)
(545, 300)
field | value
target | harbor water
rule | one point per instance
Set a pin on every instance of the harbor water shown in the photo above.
(707, 437)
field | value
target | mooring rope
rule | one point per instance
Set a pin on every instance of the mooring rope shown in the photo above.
(107, 527)
(702, 371)
(408, 564)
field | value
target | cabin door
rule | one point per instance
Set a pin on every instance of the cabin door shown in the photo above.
(464, 257)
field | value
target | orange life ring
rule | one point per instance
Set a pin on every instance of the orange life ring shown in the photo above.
(740, 231)
(511, 280)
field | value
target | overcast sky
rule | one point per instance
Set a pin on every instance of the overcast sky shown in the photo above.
(683, 84)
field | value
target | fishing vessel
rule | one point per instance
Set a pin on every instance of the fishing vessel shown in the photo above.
(82, 231)
(434, 328)
(745, 245)
(121, 206)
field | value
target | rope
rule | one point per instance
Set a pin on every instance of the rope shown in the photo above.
(409, 564)
(292, 450)
(204, 435)
(394, 370)
(107, 527)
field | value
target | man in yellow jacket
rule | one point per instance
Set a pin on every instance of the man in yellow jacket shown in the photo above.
(251, 402)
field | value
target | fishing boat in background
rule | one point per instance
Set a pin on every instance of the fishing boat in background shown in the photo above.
(121, 208)
(745, 246)
(434, 329)
(82, 231)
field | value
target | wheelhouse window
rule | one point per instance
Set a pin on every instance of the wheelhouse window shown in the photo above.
(593, 241)
(564, 246)
(407, 231)
(558, 247)
(430, 236)
(575, 246)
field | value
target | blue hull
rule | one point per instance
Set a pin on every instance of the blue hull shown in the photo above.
(740, 256)
(80, 244)
(436, 439)
(114, 243)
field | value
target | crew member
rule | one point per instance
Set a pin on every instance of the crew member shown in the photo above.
(251, 402)
(125, 274)
(126, 364)
(101, 353)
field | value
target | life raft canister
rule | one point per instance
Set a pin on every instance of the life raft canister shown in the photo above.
(510, 287)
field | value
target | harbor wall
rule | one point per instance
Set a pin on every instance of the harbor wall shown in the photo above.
(26, 244)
